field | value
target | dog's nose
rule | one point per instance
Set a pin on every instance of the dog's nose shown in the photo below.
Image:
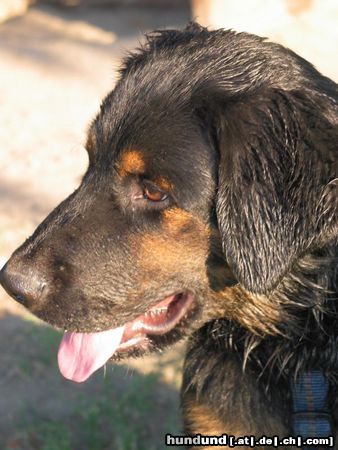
(22, 283)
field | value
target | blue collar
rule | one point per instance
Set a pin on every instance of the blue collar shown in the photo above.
(311, 417)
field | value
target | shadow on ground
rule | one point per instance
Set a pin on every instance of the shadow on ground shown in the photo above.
(119, 409)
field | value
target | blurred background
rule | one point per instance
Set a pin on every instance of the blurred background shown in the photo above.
(57, 60)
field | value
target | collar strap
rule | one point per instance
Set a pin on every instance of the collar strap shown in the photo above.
(310, 409)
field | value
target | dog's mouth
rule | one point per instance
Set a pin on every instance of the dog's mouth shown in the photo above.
(81, 354)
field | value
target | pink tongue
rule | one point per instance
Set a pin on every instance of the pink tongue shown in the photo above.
(80, 354)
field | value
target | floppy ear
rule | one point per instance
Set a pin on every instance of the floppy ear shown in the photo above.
(272, 118)
(274, 198)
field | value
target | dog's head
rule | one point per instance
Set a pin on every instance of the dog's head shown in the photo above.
(211, 169)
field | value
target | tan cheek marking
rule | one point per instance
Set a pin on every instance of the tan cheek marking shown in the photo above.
(180, 245)
(186, 231)
(179, 221)
(132, 161)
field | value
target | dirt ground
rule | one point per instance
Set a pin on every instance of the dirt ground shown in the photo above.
(55, 66)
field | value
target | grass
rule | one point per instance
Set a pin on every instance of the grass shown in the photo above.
(120, 411)
(127, 414)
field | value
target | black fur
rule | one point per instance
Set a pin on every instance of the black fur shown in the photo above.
(246, 133)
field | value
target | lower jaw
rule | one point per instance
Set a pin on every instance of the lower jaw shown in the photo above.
(139, 342)
(159, 324)
(143, 345)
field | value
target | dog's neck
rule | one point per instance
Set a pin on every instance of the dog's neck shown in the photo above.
(290, 330)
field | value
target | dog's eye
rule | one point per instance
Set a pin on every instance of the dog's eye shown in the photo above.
(153, 193)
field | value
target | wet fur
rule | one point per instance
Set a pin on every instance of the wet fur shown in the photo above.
(246, 132)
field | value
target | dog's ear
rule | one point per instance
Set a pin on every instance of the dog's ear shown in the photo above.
(274, 200)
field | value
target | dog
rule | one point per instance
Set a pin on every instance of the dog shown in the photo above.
(208, 210)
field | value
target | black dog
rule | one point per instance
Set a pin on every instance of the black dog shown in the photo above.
(209, 209)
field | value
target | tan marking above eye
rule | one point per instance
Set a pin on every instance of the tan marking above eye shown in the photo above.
(164, 184)
(132, 162)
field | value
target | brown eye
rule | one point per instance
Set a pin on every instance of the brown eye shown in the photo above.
(153, 193)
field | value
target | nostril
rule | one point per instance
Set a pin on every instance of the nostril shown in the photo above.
(19, 298)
